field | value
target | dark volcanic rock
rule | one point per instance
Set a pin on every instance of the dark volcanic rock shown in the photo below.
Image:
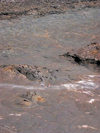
(87, 54)
(27, 72)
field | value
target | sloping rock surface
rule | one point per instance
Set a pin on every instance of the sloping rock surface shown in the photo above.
(89, 54)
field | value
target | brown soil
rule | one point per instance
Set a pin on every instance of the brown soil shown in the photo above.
(49, 94)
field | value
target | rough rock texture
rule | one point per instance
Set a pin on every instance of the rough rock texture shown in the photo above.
(60, 108)
(27, 72)
(88, 54)
(13, 8)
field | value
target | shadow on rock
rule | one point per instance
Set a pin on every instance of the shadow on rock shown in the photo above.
(88, 55)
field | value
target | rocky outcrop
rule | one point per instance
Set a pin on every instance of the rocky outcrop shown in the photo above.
(14, 8)
(87, 54)
(27, 73)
